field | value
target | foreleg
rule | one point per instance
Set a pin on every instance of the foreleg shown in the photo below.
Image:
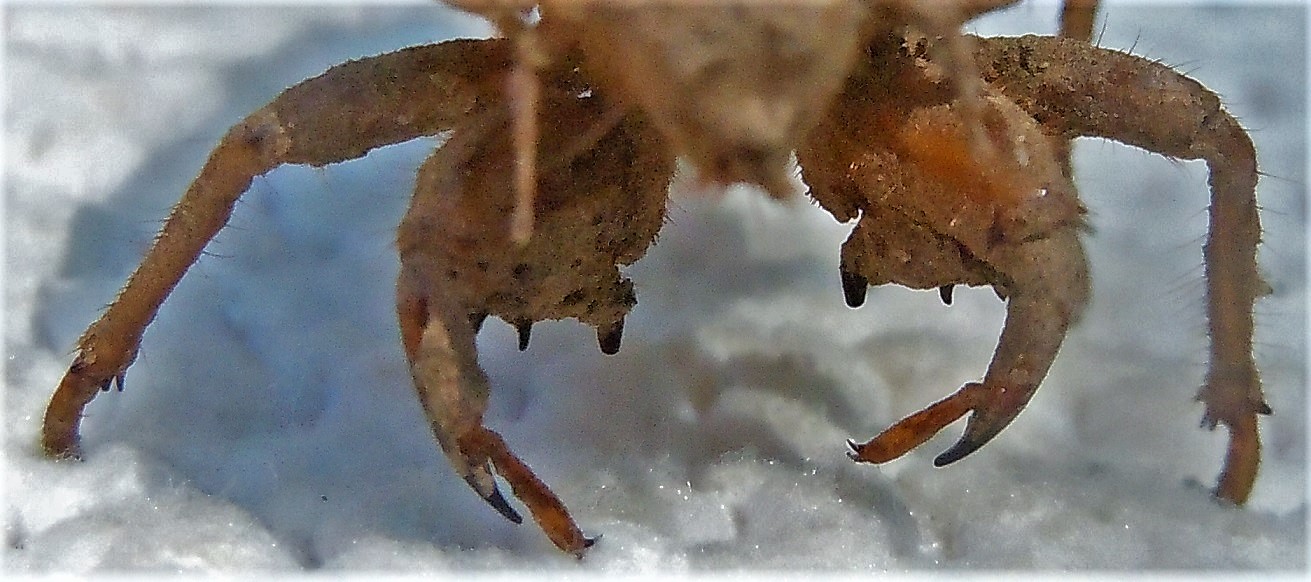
(1047, 289)
(337, 116)
(933, 216)
(439, 340)
(1076, 89)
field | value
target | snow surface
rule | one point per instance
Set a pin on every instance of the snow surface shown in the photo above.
(269, 423)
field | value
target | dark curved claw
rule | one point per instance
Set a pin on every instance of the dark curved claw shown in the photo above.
(987, 421)
(496, 500)
(965, 446)
(991, 410)
(546, 508)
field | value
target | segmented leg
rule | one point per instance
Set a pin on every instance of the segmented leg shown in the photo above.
(1075, 89)
(337, 116)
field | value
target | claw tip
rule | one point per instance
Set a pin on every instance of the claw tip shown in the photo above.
(963, 448)
(498, 502)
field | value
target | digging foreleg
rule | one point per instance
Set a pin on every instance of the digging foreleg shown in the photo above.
(1047, 291)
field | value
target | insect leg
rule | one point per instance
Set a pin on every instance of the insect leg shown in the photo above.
(339, 115)
(1148, 105)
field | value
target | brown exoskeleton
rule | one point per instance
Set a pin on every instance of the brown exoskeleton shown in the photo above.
(949, 150)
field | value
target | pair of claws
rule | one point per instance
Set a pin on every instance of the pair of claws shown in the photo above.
(608, 339)
(896, 148)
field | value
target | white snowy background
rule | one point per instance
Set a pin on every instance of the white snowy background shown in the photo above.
(269, 423)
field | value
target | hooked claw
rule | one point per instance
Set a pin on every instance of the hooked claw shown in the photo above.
(993, 410)
(998, 408)
(494, 498)
(547, 509)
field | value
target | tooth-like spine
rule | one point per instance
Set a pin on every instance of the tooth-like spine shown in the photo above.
(525, 329)
(854, 286)
(609, 338)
